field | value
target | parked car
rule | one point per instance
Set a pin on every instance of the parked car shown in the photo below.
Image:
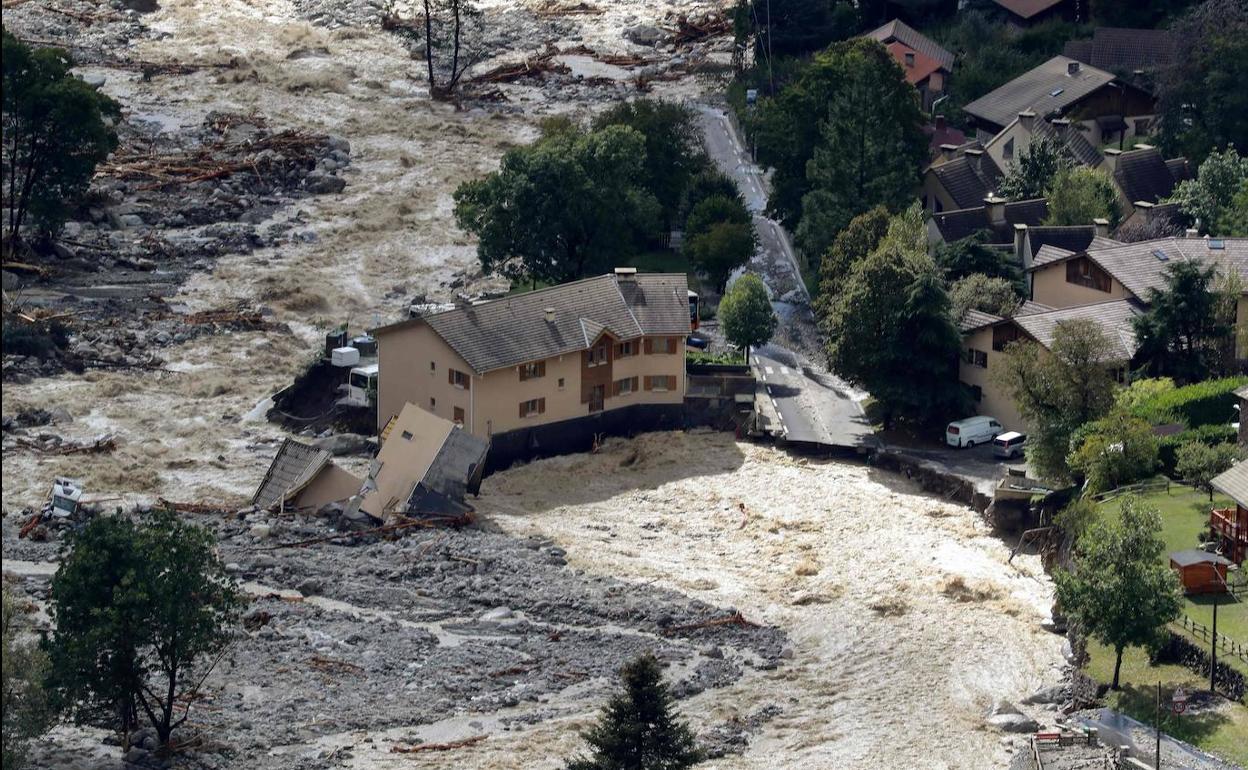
(971, 431)
(1009, 445)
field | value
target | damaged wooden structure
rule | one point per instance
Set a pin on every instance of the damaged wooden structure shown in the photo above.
(426, 468)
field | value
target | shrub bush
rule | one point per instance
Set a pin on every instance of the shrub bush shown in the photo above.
(42, 340)
(1202, 403)
(1209, 434)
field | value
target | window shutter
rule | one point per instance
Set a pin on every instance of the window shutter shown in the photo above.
(671, 382)
(521, 408)
(615, 388)
(541, 406)
(649, 345)
(671, 344)
(450, 375)
(541, 368)
(634, 384)
(523, 372)
(649, 382)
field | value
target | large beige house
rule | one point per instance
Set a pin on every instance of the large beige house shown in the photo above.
(985, 337)
(1105, 271)
(578, 350)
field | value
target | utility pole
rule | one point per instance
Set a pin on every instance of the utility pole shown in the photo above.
(1213, 650)
(1157, 764)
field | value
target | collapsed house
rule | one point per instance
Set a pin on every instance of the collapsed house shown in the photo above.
(426, 467)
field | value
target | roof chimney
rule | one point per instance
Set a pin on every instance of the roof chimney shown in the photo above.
(976, 157)
(550, 315)
(626, 273)
(1142, 146)
(994, 206)
(940, 122)
(1102, 227)
(909, 58)
(1191, 232)
(1072, 68)
(1146, 208)
(1111, 159)
(948, 151)
(1026, 118)
(1020, 244)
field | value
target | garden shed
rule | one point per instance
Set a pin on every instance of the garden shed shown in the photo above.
(1200, 572)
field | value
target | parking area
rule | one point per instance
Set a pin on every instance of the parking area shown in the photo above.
(977, 464)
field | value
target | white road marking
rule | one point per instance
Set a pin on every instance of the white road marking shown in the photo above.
(769, 370)
(784, 370)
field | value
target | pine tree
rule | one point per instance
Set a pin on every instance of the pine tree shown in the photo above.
(638, 729)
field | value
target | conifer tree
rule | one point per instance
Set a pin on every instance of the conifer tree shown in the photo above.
(638, 729)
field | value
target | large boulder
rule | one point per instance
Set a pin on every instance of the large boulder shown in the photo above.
(644, 34)
(1005, 716)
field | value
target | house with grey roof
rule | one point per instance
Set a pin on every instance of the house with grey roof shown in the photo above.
(548, 368)
(303, 477)
(1145, 180)
(986, 337)
(960, 178)
(1015, 140)
(1024, 13)
(1102, 105)
(1125, 51)
(996, 216)
(924, 63)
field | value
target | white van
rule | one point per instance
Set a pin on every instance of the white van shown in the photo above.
(972, 431)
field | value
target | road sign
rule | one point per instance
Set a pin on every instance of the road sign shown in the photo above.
(1178, 701)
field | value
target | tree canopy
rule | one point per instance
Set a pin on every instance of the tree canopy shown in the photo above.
(973, 255)
(639, 729)
(1032, 172)
(1198, 463)
(891, 327)
(1058, 390)
(26, 711)
(847, 128)
(985, 293)
(1209, 201)
(1204, 104)
(1079, 195)
(1121, 592)
(57, 129)
(564, 206)
(673, 147)
(1182, 332)
(138, 609)
(745, 314)
(719, 237)
(1115, 450)
(851, 245)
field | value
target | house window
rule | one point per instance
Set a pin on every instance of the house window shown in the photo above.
(407, 435)
(458, 415)
(1119, 374)
(625, 386)
(560, 383)
(668, 345)
(977, 393)
(1084, 272)
(625, 349)
(661, 383)
(981, 359)
(532, 407)
(457, 379)
(595, 356)
(1008, 151)
(1003, 335)
(532, 371)
(433, 403)
(433, 366)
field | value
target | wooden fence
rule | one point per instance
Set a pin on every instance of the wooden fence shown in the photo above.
(1202, 632)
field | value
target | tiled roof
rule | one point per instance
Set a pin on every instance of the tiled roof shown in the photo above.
(1028, 307)
(1180, 169)
(1119, 49)
(294, 465)
(513, 330)
(1045, 89)
(1234, 482)
(1071, 238)
(1049, 253)
(939, 136)
(967, 180)
(977, 319)
(1027, 8)
(1143, 175)
(1141, 266)
(903, 33)
(1070, 138)
(1113, 316)
(922, 68)
(960, 223)
(1192, 556)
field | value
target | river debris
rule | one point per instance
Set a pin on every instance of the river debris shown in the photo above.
(398, 749)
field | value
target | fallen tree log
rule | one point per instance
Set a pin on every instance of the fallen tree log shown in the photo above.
(396, 749)
(735, 619)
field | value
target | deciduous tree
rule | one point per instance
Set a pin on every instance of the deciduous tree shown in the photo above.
(985, 293)
(1121, 592)
(852, 245)
(721, 249)
(1207, 198)
(142, 613)
(891, 327)
(1182, 332)
(1058, 390)
(56, 130)
(1114, 450)
(639, 729)
(558, 208)
(745, 314)
(1198, 463)
(450, 34)
(1031, 174)
(973, 255)
(1079, 195)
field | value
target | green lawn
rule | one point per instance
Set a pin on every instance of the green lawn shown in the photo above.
(1224, 733)
(1184, 515)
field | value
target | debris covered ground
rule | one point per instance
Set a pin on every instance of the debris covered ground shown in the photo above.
(816, 614)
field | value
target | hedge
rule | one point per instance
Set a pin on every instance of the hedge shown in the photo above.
(1182, 651)
(1210, 402)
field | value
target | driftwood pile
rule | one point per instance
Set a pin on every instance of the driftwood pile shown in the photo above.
(213, 161)
(688, 31)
